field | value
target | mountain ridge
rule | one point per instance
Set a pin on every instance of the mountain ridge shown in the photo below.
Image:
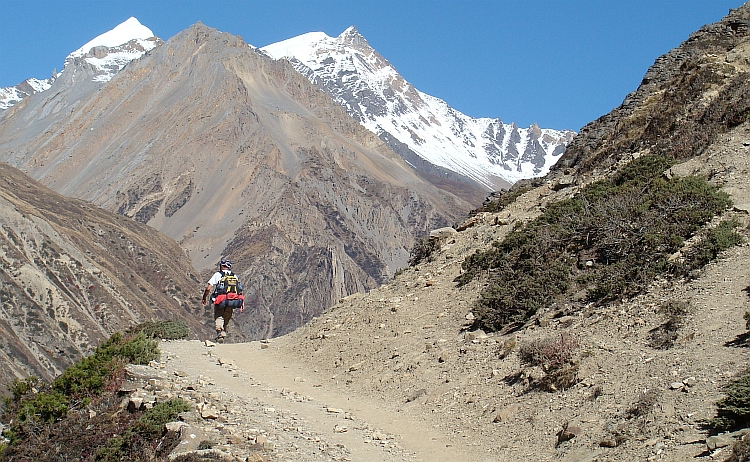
(485, 150)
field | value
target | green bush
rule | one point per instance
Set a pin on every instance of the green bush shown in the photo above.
(733, 411)
(43, 408)
(152, 421)
(148, 426)
(167, 330)
(90, 375)
(715, 241)
(20, 388)
(611, 239)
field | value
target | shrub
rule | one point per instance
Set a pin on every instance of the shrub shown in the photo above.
(20, 388)
(148, 426)
(715, 241)
(422, 250)
(627, 226)
(554, 355)
(90, 375)
(152, 421)
(168, 330)
(644, 404)
(733, 411)
(44, 407)
(664, 336)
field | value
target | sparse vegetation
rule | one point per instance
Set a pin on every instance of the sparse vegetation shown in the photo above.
(740, 450)
(644, 404)
(54, 421)
(423, 250)
(167, 330)
(555, 356)
(611, 239)
(498, 200)
(733, 411)
(664, 336)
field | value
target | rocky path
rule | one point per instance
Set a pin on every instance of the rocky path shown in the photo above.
(257, 405)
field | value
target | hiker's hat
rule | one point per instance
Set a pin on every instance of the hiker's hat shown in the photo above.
(225, 262)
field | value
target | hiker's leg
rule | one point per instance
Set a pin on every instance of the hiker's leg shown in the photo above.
(218, 319)
(227, 315)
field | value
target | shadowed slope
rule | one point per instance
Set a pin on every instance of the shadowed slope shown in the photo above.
(72, 274)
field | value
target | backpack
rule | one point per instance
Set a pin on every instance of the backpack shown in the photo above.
(228, 293)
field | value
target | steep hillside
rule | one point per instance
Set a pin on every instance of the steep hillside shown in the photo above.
(630, 378)
(72, 274)
(232, 153)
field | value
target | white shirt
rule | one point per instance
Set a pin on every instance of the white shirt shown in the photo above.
(217, 277)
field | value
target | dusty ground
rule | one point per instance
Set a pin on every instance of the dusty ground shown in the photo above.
(417, 385)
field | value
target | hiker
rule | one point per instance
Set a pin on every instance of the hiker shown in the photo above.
(226, 297)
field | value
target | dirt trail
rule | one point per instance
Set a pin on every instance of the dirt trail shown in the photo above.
(367, 430)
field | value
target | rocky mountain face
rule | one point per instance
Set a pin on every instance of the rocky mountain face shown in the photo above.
(10, 96)
(421, 128)
(232, 153)
(686, 99)
(72, 274)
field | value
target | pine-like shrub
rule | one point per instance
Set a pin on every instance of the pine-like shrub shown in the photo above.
(733, 411)
(627, 226)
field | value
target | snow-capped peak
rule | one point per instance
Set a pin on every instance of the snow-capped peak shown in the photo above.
(111, 51)
(373, 92)
(129, 30)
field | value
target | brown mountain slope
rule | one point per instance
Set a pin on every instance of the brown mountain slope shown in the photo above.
(72, 274)
(231, 153)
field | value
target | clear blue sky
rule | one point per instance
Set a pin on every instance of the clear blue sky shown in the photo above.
(559, 63)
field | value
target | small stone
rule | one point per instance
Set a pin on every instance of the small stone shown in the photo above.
(609, 443)
(718, 441)
(567, 433)
(334, 410)
(505, 414)
(263, 346)
(340, 429)
(135, 404)
(689, 382)
(209, 343)
(210, 413)
(677, 385)
(175, 427)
